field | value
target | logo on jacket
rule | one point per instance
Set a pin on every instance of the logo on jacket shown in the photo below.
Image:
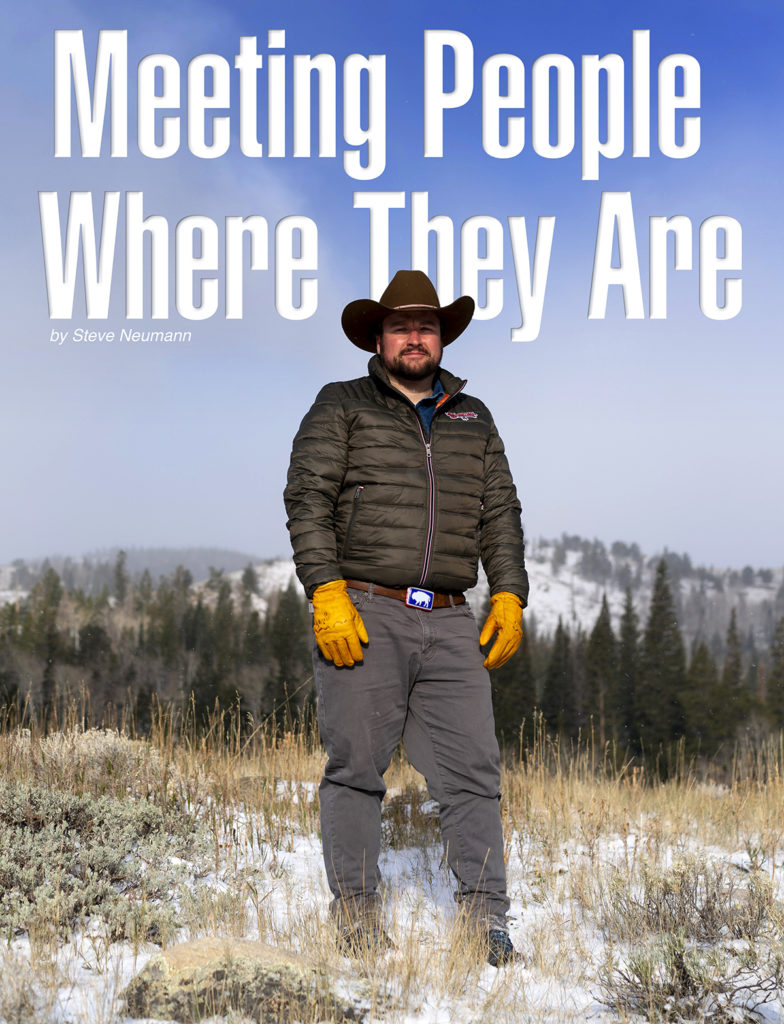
(418, 598)
(462, 415)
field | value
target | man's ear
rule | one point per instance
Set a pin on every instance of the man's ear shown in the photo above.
(378, 344)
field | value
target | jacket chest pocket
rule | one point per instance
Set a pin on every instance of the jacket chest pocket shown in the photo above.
(352, 518)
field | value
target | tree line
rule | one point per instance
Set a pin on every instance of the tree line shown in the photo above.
(137, 642)
(639, 688)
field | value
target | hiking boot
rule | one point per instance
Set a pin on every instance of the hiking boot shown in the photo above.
(361, 939)
(499, 947)
(495, 939)
(360, 931)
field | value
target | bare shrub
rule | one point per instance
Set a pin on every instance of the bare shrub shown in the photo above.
(410, 818)
(672, 979)
(700, 900)
(710, 950)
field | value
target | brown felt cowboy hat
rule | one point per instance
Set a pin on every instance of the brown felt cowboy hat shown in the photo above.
(408, 290)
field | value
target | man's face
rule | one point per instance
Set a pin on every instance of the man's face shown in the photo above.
(410, 344)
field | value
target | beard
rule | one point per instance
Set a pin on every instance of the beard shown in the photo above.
(403, 367)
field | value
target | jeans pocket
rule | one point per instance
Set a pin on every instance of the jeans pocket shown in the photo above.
(359, 598)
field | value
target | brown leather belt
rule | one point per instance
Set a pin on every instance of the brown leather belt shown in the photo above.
(439, 600)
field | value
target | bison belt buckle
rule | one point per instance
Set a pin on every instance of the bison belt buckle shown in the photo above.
(416, 597)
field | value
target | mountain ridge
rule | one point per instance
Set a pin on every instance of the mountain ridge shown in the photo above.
(569, 576)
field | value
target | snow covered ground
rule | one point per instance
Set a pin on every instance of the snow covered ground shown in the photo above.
(554, 923)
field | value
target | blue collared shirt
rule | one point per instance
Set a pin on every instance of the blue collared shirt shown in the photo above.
(427, 406)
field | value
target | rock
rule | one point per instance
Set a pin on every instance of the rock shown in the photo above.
(210, 977)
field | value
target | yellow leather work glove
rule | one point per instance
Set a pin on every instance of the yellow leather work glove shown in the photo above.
(337, 624)
(505, 618)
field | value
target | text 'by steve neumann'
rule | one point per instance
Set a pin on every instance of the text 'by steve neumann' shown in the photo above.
(91, 336)
(269, 108)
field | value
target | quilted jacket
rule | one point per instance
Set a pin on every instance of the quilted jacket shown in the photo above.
(371, 496)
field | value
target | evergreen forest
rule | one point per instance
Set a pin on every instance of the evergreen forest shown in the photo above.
(636, 690)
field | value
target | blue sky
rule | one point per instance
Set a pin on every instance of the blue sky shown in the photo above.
(665, 432)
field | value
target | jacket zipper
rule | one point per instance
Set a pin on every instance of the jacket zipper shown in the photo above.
(431, 501)
(355, 502)
(431, 486)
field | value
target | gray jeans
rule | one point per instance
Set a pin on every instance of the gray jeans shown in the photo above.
(421, 679)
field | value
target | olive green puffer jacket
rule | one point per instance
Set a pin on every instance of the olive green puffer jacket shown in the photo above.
(371, 497)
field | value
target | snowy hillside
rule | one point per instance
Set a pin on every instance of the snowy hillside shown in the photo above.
(562, 587)
(568, 578)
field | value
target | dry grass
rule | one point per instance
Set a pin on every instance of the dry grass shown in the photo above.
(632, 898)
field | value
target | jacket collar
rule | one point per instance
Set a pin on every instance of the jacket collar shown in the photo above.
(377, 372)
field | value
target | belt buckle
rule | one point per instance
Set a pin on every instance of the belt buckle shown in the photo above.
(416, 597)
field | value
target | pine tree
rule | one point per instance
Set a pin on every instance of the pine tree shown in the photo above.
(288, 638)
(182, 581)
(215, 580)
(601, 670)
(40, 621)
(144, 592)
(223, 630)
(575, 716)
(250, 579)
(558, 694)
(628, 670)
(40, 635)
(163, 633)
(215, 679)
(121, 578)
(253, 643)
(775, 700)
(662, 670)
(250, 587)
(513, 692)
(734, 692)
(196, 627)
(9, 675)
(732, 672)
(207, 687)
(701, 701)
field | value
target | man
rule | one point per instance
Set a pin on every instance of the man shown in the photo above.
(398, 483)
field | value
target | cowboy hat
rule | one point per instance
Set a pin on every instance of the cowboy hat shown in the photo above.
(408, 290)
